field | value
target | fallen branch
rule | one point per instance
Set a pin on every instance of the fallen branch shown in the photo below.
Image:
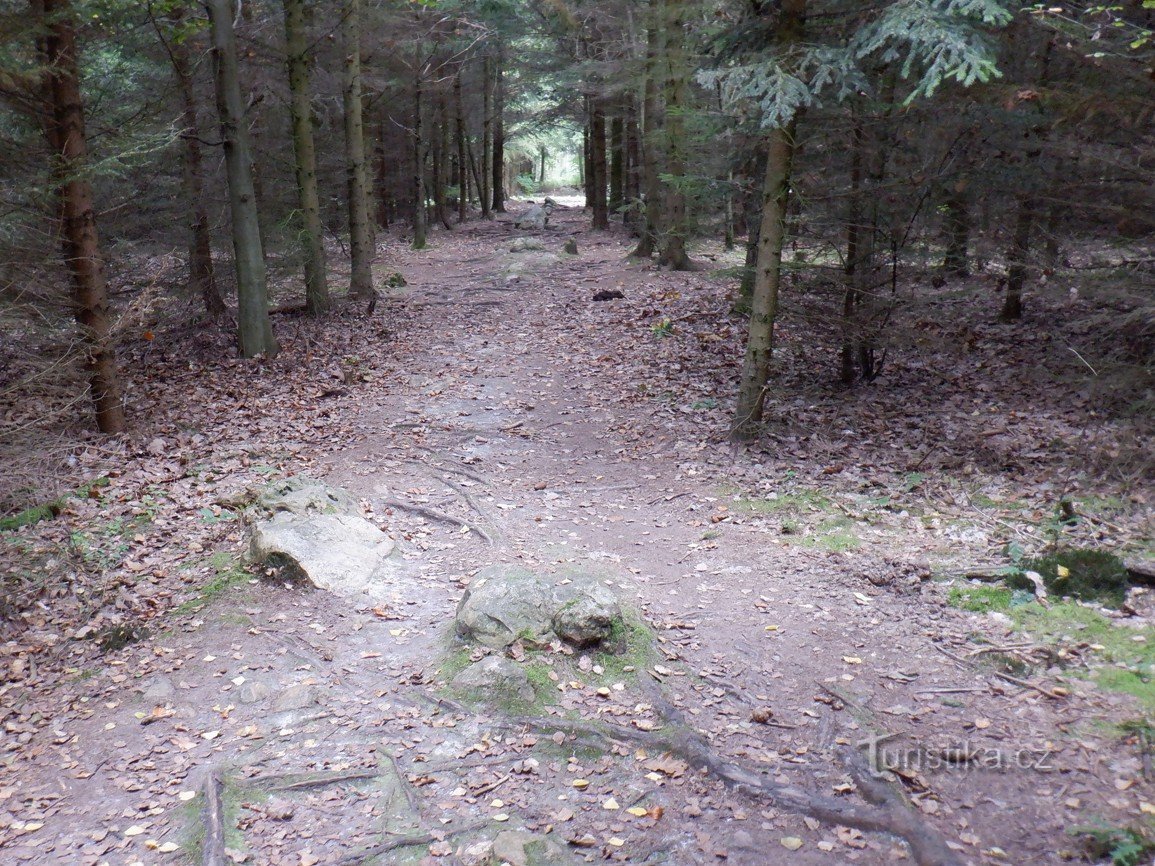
(213, 815)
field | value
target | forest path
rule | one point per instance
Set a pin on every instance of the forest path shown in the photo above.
(519, 409)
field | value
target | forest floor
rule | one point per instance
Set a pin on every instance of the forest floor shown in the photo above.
(805, 597)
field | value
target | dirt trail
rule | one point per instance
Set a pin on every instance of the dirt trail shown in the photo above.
(327, 722)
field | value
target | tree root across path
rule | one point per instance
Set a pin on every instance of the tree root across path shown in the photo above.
(887, 812)
(439, 516)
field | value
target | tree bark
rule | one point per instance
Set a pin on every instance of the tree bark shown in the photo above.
(312, 238)
(617, 163)
(486, 167)
(768, 271)
(420, 212)
(650, 132)
(80, 239)
(441, 163)
(499, 130)
(957, 227)
(255, 330)
(462, 155)
(598, 165)
(1017, 259)
(202, 275)
(633, 182)
(675, 92)
(360, 229)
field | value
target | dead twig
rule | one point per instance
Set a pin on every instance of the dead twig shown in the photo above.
(1026, 684)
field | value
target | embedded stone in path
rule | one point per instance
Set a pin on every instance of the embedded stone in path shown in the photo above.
(316, 536)
(505, 603)
(495, 679)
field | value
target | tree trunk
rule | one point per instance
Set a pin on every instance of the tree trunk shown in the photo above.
(312, 237)
(360, 229)
(462, 156)
(633, 183)
(675, 92)
(651, 131)
(486, 167)
(768, 271)
(617, 164)
(441, 163)
(598, 165)
(957, 227)
(255, 330)
(202, 276)
(80, 240)
(1017, 257)
(380, 151)
(587, 160)
(854, 265)
(499, 130)
(420, 213)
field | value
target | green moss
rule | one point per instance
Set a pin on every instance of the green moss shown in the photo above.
(228, 574)
(1117, 661)
(980, 599)
(49, 510)
(795, 502)
(1086, 574)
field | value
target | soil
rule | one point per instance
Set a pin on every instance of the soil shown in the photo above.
(793, 590)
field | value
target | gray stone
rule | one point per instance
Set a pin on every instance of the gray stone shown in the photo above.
(586, 613)
(302, 495)
(495, 678)
(509, 847)
(477, 854)
(159, 689)
(295, 697)
(341, 553)
(522, 245)
(571, 247)
(537, 217)
(502, 604)
(253, 692)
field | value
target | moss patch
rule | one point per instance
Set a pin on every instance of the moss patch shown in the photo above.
(1120, 659)
(1086, 574)
(228, 573)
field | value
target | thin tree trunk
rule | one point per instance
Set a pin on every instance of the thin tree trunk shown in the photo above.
(382, 159)
(673, 254)
(587, 160)
(1017, 258)
(202, 276)
(420, 213)
(617, 163)
(957, 226)
(854, 218)
(486, 166)
(255, 330)
(633, 182)
(441, 163)
(768, 271)
(80, 239)
(650, 133)
(312, 237)
(598, 164)
(360, 229)
(462, 157)
(499, 130)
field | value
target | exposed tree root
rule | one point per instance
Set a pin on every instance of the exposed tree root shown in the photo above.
(888, 811)
(408, 841)
(213, 815)
(440, 517)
